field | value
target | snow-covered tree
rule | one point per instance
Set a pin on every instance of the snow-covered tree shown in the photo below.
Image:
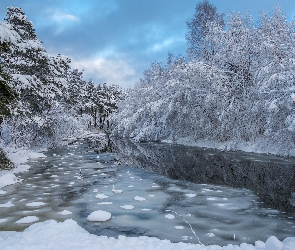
(198, 28)
(240, 91)
(7, 95)
(51, 100)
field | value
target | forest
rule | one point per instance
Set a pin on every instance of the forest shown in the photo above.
(235, 90)
(43, 99)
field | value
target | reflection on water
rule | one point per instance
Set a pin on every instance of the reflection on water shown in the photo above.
(225, 197)
(272, 178)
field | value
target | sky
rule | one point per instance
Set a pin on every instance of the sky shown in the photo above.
(114, 41)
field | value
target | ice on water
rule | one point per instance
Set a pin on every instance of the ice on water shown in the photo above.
(27, 220)
(65, 212)
(128, 207)
(139, 198)
(170, 216)
(7, 204)
(142, 204)
(101, 196)
(99, 215)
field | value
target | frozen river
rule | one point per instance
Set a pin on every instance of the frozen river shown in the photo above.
(167, 191)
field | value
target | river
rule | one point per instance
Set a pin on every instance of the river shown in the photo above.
(168, 191)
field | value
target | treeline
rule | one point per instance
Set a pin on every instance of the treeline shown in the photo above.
(42, 99)
(236, 87)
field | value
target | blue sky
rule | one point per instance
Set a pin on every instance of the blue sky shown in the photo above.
(114, 41)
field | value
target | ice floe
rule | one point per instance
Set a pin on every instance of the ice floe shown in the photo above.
(170, 216)
(128, 207)
(139, 198)
(65, 212)
(99, 215)
(35, 204)
(27, 219)
(101, 196)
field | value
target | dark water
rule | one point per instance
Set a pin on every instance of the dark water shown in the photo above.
(215, 197)
(272, 178)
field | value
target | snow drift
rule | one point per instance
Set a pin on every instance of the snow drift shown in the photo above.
(69, 235)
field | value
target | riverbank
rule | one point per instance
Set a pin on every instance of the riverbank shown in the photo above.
(16, 159)
(5, 163)
(69, 235)
(13, 159)
(233, 146)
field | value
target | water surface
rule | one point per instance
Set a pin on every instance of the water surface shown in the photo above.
(175, 192)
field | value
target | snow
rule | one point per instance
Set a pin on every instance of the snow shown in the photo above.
(128, 207)
(191, 195)
(7, 179)
(65, 212)
(228, 145)
(21, 155)
(27, 219)
(116, 191)
(35, 204)
(7, 204)
(101, 196)
(146, 209)
(7, 34)
(105, 203)
(18, 157)
(170, 216)
(69, 235)
(139, 198)
(273, 243)
(99, 215)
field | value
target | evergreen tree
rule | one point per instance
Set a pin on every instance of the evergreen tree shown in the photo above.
(17, 18)
(53, 100)
(7, 96)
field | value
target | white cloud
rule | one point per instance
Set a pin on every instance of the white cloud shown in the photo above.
(111, 71)
(164, 45)
(62, 20)
(60, 16)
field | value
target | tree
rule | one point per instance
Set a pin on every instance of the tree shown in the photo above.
(7, 95)
(17, 18)
(238, 90)
(198, 27)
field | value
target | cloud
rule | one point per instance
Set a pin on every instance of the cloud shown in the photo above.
(164, 45)
(62, 20)
(111, 71)
(60, 16)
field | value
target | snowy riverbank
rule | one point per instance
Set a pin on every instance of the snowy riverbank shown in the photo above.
(19, 157)
(69, 235)
(231, 146)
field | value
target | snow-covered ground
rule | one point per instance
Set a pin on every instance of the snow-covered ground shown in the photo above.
(69, 235)
(19, 157)
(241, 146)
